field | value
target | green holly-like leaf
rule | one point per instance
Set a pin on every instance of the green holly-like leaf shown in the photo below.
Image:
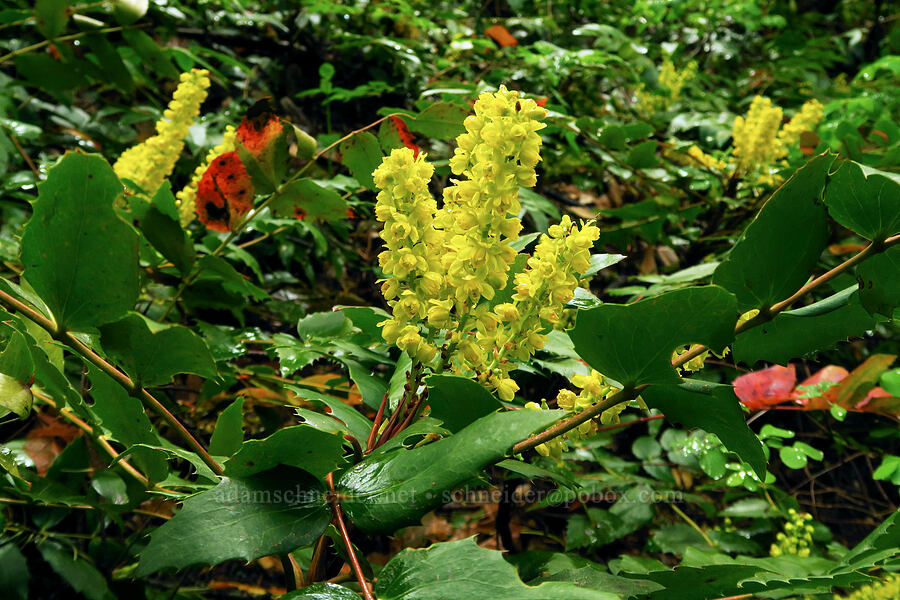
(77, 572)
(14, 571)
(714, 409)
(163, 230)
(361, 153)
(796, 333)
(394, 489)
(441, 121)
(270, 513)
(123, 419)
(879, 282)
(458, 401)
(793, 223)
(303, 446)
(79, 255)
(228, 435)
(865, 200)
(153, 357)
(634, 343)
(321, 591)
(307, 199)
(463, 569)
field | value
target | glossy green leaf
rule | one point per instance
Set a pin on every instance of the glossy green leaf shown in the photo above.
(153, 357)
(642, 156)
(755, 270)
(228, 435)
(879, 282)
(81, 575)
(633, 343)
(463, 569)
(13, 571)
(15, 397)
(49, 74)
(123, 419)
(52, 16)
(66, 245)
(15, 358)
(442, 121)
(307, 199)
(865, 200)
(129, 11)
(323, 325)
(792, 457)
(321, 591)
(890, 382)
(361, 153)
(714, 409)
(163, 230)
(394, 489)
(150, 53)
(270, 513)
(342, 413)
(796, 333)
(302, 446)
(459, 401)
(110, 62)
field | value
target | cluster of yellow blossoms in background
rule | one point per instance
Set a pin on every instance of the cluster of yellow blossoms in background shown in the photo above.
(889, 589)
(760, 141)
(149, 163)
(796, 539)
(670, 80)
(444, 267)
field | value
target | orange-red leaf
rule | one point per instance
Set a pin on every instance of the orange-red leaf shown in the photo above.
(831, 374)
(762, 389)
(406, 135)
(225, 193)
(501, 35)
(259, 129)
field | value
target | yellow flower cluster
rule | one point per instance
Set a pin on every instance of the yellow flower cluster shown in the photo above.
(756, 142)
(796, 539)
(672, 81)
(888, 589)
(760, 141)
(546, 284)
(594, 388)
(148, 164)
(496, 155)
(807, 119)
(185, 199)
(444, 266)
(411, 259)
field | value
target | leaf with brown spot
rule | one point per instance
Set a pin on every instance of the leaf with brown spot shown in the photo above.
(225, 193)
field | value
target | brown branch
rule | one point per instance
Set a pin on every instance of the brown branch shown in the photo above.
(764, 316)
(345, 535)
(379, 416)
(118, 376)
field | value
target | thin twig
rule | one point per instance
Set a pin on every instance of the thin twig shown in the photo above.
(764, 316)
(345, 535)
(118, 376)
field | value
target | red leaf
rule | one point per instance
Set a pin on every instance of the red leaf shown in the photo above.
(541, 101)
(831, 373)
(260, 129)
(225, 193)
(405, 135)
(761, 389)
(501, 35)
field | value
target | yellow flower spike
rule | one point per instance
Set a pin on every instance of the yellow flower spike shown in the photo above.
(148, 163)
(807, 119)
(755, 137)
